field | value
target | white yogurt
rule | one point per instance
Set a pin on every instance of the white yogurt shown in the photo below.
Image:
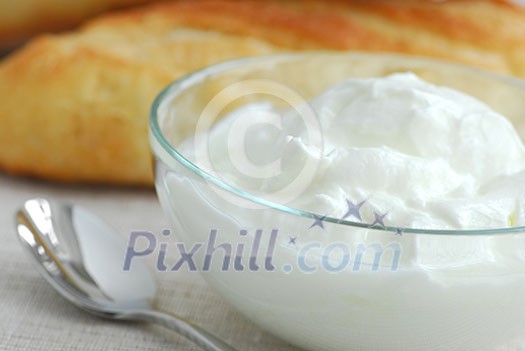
(431, 157)
(421, 155)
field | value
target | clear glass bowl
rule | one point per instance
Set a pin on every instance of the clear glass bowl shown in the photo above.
(325, 283)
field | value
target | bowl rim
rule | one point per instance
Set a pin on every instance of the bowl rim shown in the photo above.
(190, 79)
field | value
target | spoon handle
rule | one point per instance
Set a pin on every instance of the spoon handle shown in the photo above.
(185, 328)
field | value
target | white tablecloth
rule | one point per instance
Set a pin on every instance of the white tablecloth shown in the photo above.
(34, 317)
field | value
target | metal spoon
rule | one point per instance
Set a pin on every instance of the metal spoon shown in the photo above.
(82, 258)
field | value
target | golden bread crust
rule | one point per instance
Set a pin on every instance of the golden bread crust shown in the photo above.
(74, 107)
(22, 18)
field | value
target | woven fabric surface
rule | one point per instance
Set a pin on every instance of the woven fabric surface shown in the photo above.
(34, 317)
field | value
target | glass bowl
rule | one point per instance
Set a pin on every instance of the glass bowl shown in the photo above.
(326, 283)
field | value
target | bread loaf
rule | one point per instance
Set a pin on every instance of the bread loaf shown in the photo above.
(74, 106)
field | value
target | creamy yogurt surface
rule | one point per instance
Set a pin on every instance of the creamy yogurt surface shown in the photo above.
(426, 156)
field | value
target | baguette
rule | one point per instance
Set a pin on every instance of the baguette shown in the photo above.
(74, 106)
